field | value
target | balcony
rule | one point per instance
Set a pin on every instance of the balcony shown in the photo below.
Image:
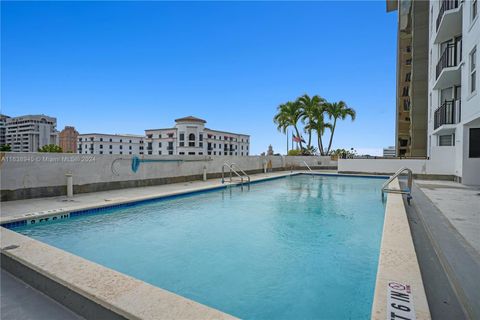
(448, 71)
(447, 114)
(449, 20)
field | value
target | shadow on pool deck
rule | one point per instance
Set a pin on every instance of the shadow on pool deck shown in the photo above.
(449, 264)
(19, 301)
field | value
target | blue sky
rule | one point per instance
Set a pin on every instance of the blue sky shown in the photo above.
(122, 67)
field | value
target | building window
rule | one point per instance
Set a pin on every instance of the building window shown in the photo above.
(191, 153)
(160, 152)
(101, 152)
(474, 143)
(130, 152)
(200, 137)
(149, 152)
(121, 152)
(200, 144)
(111, 140)
(408, 77)
(200, 153)
(160, 136)
(121, 147)
(445, 140)
(182, 144)
(129, 141)
(120, 140)
(191, 140)
(101, 139)
(170, 152)
(181, 153)
(473, 70)
(101, 146)
(405, 91)
(474, 9)
(129, 147)
(110, 147)
(170, 135)
(170, 145)
(182, 136)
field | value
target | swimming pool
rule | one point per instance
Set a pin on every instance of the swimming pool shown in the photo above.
(303, 247)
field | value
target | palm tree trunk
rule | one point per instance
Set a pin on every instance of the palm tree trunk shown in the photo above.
(309, 139)
(320, 144)
(331, 136)
(298, 135)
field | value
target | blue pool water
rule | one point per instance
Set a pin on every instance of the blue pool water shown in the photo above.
(301, 247)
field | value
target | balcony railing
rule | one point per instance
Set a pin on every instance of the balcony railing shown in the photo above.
(446, 5)
(450, 57)
(448, 113)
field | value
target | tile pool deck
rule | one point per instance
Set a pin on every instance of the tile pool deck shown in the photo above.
(132, 298)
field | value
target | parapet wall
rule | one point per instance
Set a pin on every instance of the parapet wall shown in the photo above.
(32, 175)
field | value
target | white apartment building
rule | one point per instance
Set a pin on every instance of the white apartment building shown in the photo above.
(99, 143)
(454, 87)
(31, 132)
(189, 136)
(389, 152)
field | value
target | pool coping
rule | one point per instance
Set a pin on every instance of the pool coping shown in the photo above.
(398, 266)
(115, 291)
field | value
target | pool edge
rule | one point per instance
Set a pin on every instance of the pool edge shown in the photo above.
(398, 262)
(87, 287)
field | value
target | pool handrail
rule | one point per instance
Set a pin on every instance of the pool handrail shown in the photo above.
(241, 170)
(307, 166)
(407, 191)
(225, 164)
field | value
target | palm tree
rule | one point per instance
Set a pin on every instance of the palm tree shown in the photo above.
(317, 123)
(338, 110)
(288, 115)
(310, 107)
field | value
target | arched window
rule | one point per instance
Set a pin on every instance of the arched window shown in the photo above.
(191, 140)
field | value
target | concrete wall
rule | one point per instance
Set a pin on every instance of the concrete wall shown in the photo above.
(389, 166)
(29, 175)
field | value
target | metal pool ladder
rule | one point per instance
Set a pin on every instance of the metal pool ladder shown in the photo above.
(307, 166)
(407, 191)
(231, 169)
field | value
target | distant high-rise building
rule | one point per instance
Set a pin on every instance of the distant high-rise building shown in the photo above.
(3, 129)
(67, 139)
(412, 77)
(31, 132)
(389, 152)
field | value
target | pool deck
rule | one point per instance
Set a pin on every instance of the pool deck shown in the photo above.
(19, 301)
(449, 214)
(22, 209)
(460, 204)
